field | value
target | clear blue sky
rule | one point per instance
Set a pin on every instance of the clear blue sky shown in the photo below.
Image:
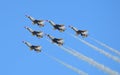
(101, 18)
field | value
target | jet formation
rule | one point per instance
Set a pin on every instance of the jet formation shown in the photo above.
(40, 34)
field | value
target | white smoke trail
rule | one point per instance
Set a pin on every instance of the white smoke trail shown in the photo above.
(67, 65)
(99, 50)
(110, 48)
(91, 61)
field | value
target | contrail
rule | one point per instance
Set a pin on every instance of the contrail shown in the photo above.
(90, 61)
(110, 48)
(67, 65)
(99, 50)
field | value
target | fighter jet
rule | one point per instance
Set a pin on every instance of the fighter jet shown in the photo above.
(59, 27)
(39, 34)
(58, 41)
(33, 47)
(35, 21)
(84, 33)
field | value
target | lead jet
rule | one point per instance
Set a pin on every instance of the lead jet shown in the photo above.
(58, 41)
(39, 34)
(33, 47)
(84, 33)
(35, 21)
(59, 27)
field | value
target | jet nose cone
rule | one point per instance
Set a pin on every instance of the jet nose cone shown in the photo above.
(23, 41)
(26, 15)
(47, 20)
(46, 34)
(26, 27)
(69, 26)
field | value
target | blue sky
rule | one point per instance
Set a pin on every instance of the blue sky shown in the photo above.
(101, 18)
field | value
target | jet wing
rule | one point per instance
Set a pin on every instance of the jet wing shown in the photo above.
(85, 32)
(37, 46)
(38, 50)
(40, 20)
(38, 32)
(59, 25)
(58, 39)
